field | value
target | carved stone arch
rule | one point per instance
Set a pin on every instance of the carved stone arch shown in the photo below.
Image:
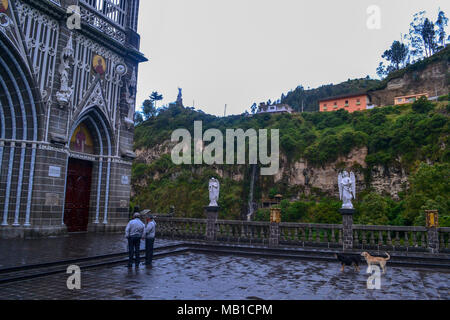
(95, 97)
(94, 114)
(12, 32)
(21, 127)
(32, 100)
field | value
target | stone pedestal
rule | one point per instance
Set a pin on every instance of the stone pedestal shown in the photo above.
(347, 228)
(433, 240)
(212, 213)
(274, 237)
(275, 220)
(432, 220)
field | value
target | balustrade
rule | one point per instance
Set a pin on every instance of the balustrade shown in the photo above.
(389, 238)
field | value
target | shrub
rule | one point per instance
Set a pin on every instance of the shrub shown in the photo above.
(373, 210)
(423, 105)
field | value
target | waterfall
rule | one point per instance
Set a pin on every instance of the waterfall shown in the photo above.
(251, 207)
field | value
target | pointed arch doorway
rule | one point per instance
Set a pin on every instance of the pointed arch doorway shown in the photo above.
(78, 193)
(79, 182)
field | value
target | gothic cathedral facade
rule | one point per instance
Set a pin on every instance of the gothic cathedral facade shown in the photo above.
(68, 77)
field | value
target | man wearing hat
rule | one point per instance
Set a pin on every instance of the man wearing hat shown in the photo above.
(133, 233)
(149, 236)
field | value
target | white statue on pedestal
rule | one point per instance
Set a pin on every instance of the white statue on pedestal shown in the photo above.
(347, 189)
(214, 189)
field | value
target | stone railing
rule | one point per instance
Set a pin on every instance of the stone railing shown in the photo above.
(303, 234)
(444, 239)
(389, 238)
(242, 231)
(176, 228)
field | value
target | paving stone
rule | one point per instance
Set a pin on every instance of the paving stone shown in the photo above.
(34, 251)
(201, 276)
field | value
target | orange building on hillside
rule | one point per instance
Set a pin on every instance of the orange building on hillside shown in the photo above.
(351, 103)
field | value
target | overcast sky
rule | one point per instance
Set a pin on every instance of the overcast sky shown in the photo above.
(237, 52)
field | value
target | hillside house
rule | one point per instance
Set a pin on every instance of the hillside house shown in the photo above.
(409, 99)
(274, 108)
(351, 103)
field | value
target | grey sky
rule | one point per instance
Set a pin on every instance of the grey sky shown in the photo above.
(237, 52)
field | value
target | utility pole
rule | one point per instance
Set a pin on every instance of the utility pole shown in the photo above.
(225, 112)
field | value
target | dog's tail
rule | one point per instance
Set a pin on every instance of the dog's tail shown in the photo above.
(389, 257)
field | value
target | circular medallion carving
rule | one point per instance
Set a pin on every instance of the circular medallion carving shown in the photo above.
(121, 69)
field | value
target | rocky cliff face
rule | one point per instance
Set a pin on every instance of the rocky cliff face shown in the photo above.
(305, 176)
(433, 80)
(384, 180)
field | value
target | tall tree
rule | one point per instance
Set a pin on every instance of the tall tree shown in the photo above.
(253, 108)
(428, 36)
(441, 23)
(415, 35)
(155, 96)
(397, 56)
(148, 109)
(138, 119)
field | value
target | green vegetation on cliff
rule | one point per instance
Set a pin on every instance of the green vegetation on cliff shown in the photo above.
(412, 137)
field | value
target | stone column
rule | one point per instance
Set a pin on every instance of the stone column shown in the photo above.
(433, 234)
(212, 213)
(347, 228)
(275, 220)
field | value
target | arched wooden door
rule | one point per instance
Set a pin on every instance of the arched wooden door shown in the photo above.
(78, 194)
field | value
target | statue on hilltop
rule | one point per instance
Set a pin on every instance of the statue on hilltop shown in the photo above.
(180, 98)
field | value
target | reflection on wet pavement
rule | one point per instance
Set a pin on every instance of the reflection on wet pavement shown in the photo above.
(201, 276)
(33, 251)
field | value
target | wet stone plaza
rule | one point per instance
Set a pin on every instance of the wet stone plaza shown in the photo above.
(197, 276)
(33, 251)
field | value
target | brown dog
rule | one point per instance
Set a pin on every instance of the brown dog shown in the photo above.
(376, 260)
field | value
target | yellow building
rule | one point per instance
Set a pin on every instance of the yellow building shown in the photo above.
(409, 99)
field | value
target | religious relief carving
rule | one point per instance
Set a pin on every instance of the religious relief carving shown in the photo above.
(5, 21)
(131, 100)
(4, 4)
(65, 92)
(99, 65)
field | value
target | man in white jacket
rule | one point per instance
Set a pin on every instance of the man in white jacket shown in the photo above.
(149, 236)
(133, 233)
